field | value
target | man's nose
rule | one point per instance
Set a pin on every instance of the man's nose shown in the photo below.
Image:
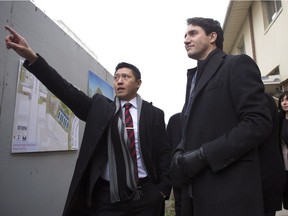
(120, 80)
(186, 40)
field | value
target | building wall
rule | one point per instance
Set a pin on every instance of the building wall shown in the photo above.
(245, 35)
(33, 184)
(270, 42)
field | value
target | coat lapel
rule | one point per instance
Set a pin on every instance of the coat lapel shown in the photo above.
(211, 68)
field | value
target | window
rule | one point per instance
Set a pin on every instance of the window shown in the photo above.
(271, 10)
(275, 71)
(241, 47)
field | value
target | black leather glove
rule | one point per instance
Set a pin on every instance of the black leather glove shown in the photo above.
(192, 163)
(175, 170)
(176, 174)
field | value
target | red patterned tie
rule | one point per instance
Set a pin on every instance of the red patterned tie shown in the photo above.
(131, 135)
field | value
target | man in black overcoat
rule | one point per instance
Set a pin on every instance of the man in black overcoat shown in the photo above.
(123, 164)
(225, 121)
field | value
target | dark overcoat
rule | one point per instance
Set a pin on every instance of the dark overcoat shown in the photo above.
(97, 113)
(229, 118)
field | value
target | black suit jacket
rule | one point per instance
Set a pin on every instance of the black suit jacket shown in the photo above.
(229, 119)
(97, 113)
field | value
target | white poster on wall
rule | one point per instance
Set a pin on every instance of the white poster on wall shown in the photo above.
(41, 121)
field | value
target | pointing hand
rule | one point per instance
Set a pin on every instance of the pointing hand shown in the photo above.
(16, 42)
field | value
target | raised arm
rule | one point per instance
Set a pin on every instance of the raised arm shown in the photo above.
(16, 42)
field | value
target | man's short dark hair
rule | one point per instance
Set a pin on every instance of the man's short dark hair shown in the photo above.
(209, 25)
(134, 69)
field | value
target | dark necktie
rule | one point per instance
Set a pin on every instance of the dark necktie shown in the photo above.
(131, 135)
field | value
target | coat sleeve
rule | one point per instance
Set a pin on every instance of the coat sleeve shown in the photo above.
(255, 122)
(74, 98)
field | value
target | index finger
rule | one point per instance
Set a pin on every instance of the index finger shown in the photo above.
(12, 31)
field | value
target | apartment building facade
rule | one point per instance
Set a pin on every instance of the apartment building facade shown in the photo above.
(259, 29)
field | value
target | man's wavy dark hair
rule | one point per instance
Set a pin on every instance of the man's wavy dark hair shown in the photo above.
(209, 25)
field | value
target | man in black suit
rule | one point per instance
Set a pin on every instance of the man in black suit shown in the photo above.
(123, 163)
(226, 119)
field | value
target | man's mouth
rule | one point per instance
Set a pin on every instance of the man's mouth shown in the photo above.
(120, 89)
(188, 47)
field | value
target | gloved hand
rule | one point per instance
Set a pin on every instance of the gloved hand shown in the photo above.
(175, 169)
(192, 163)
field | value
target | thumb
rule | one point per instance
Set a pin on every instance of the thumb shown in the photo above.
(16, 47)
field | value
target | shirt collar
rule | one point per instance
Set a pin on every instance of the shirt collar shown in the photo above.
(133, 102)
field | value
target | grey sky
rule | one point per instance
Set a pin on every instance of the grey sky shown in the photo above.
(148, 33)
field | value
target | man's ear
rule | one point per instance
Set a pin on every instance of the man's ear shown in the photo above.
(139, 82)
(213, 37)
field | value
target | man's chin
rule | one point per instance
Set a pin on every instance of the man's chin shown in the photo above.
(121, 96)
(191, 55)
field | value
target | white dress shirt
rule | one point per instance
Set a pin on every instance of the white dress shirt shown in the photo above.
(141, 167)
